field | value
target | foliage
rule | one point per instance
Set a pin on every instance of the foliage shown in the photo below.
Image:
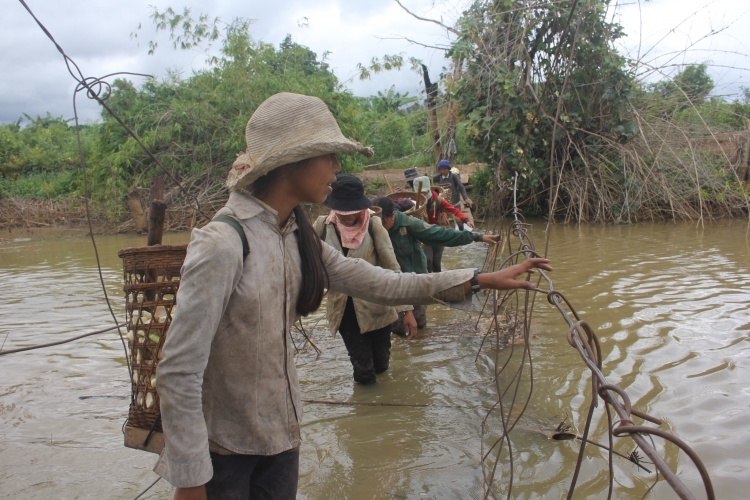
(519, 65)
(691, 85)
(41, 156)
(195, 125)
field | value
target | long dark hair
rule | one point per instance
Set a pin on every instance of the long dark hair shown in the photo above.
(314, 272)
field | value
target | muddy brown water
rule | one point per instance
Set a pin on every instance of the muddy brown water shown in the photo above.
(669, 302)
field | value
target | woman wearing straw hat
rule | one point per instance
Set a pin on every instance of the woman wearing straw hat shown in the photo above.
(229, 394)
(364, 326)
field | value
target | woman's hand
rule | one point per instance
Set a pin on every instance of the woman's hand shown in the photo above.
(194, 493)
(505, 279)
(492, 239)
(410, 325)
(469, 223)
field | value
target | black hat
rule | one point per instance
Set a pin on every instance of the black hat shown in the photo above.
(348, 194)
(411, 173)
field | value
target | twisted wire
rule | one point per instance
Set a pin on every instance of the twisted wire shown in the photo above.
(580, 336)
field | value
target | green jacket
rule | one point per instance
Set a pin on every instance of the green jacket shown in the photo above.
(408, 232)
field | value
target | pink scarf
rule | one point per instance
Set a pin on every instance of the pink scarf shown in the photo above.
(351, 236)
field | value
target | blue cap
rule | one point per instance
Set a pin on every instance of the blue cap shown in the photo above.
(444, 164)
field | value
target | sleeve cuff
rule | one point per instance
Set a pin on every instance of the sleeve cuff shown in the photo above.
(453, 294)
(185, 475)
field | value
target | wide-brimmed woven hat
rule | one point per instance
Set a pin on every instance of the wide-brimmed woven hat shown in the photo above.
(348, 194)
(287, 128)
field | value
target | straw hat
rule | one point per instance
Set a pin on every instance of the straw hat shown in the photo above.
(287, 128)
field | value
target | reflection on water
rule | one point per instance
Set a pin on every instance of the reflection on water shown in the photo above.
(670, 304)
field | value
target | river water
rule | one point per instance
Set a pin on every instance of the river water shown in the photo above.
(669, 303)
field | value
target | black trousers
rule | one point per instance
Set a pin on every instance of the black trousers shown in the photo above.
(434, 258)
(254, 477)
(369, 352)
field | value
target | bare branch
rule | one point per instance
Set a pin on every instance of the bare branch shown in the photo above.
(444, 26)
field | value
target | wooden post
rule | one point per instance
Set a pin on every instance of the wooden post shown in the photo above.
(432, 91)
(419, 195)
(157, 211)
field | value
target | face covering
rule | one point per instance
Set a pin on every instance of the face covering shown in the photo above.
(351, 236)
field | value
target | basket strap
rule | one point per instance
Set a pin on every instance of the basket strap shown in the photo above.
(236, 226)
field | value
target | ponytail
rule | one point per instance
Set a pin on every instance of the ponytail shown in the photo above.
(314, 272)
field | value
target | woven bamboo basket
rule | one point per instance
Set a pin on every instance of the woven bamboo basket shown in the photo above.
(445, 191)
(376, 211)
(414, 212)
(152, 277)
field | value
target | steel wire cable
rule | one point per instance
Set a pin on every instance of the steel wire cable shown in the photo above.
(98, 89)
(50, 344)
(583, 338)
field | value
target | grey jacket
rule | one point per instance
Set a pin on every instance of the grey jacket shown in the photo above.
(370, 316)
(228, 373)
(458, 191)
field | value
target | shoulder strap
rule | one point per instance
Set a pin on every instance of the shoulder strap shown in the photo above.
(374, 244)
(237, 227)
(325, 231)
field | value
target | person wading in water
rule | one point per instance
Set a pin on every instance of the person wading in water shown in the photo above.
(437, 210)
(364, 326)
(229, 394)
(407, 232)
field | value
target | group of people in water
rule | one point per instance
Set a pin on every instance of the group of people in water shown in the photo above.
(395, 241)
(228, 388)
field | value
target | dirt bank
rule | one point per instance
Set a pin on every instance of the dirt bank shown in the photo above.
(71, 212)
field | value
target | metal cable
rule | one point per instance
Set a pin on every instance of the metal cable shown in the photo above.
(100, 90)
(147, 488)
(581, 337)
(50, 344)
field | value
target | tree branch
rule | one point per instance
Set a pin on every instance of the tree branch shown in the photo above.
(413, 42)
(445, 26)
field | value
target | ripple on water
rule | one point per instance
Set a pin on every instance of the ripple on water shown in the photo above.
(680, 348)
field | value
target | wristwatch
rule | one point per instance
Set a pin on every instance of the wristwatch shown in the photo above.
(474, 281)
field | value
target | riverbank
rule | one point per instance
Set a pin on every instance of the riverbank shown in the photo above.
(71, 212)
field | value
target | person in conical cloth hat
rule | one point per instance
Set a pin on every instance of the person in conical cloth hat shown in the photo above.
(228, 389)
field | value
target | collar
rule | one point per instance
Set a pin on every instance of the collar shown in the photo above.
(246, 206)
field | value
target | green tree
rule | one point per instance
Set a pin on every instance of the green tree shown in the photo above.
(524, 66)
(693, 84)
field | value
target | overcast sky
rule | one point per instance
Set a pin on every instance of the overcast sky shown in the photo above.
(96, 34)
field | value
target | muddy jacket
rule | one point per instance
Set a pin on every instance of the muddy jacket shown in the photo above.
(407, 232)
(370, 316)
(228, 372)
